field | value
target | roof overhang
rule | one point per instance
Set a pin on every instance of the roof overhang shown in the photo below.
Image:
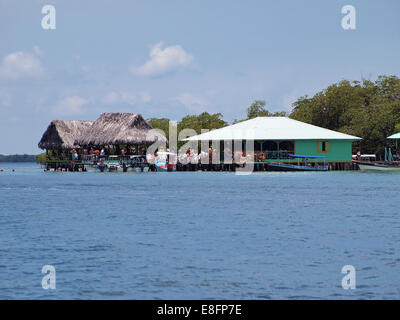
(273, 129)
(394, 136)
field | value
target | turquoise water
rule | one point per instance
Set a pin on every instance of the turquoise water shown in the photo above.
(190, 235)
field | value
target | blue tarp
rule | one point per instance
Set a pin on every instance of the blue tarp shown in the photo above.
(308, 157)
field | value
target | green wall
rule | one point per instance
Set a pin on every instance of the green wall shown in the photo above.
(339, 150)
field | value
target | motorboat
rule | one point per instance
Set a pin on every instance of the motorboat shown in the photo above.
(163, 163)
(302, 164)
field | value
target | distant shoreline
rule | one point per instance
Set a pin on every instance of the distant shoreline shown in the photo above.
(18, 158)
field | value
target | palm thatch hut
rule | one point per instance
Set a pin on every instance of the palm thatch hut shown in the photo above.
(119, 129)
(62, 134)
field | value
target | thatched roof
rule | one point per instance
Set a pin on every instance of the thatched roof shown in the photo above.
(119, 128)
(63, 134)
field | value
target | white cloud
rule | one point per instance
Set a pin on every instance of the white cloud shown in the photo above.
(164, 60)
(192, 102)
(72, 105)
(38, 51)
(126, 97)
(21, 64)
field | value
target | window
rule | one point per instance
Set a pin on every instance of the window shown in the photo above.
(323, 146)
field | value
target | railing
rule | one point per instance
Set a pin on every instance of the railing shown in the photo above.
(94, 159)
(58, 160)
(260, 156)
(273, 155)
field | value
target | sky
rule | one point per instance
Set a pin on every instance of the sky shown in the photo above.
(174, 58)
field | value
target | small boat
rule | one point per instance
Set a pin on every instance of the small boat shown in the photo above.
(304, 166)
(112, 164)
(164, 165)
(377, 166)
(391, 162)
(102, 167)
(137, 163)
(113, 167)
(91, 168)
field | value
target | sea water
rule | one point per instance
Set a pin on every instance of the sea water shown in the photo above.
(198, 235)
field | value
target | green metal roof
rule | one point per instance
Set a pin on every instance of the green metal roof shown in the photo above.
(395, 136)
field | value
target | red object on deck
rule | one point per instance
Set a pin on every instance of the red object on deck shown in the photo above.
(170, 165)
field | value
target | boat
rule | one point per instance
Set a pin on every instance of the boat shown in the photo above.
(113, 163)
(377, 166)
(364, 157)
(163, 165)
(137, 163)
(391, 163)
(91, 168)
(304, 165)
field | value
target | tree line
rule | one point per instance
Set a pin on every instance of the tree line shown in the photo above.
(18, 158)
(367, 109)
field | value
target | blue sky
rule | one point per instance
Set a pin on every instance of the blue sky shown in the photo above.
(173, 58)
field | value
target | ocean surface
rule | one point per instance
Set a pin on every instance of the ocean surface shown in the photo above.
(198, 235)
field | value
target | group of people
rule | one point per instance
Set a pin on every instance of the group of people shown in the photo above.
(94, 153)
(97, 155)
(191, 156)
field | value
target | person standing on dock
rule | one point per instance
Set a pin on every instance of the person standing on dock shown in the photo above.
(96, 155)
(74, 155)
(85, 154)
(102, 153)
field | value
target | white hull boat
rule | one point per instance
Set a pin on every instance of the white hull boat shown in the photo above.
(375, 166)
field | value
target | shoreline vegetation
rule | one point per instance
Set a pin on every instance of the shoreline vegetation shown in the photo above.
(18, 158)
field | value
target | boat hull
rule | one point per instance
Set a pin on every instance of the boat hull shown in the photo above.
(138, 169)
(289, 167)
(91, 168)
(377, 167)
(162, 166)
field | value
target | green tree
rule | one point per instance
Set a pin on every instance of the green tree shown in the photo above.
(367, 109)
(160, 123)
(257, 109)
(202, 121)
(17, 158)
(199, 122)
(41, 158)
(195, 122)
